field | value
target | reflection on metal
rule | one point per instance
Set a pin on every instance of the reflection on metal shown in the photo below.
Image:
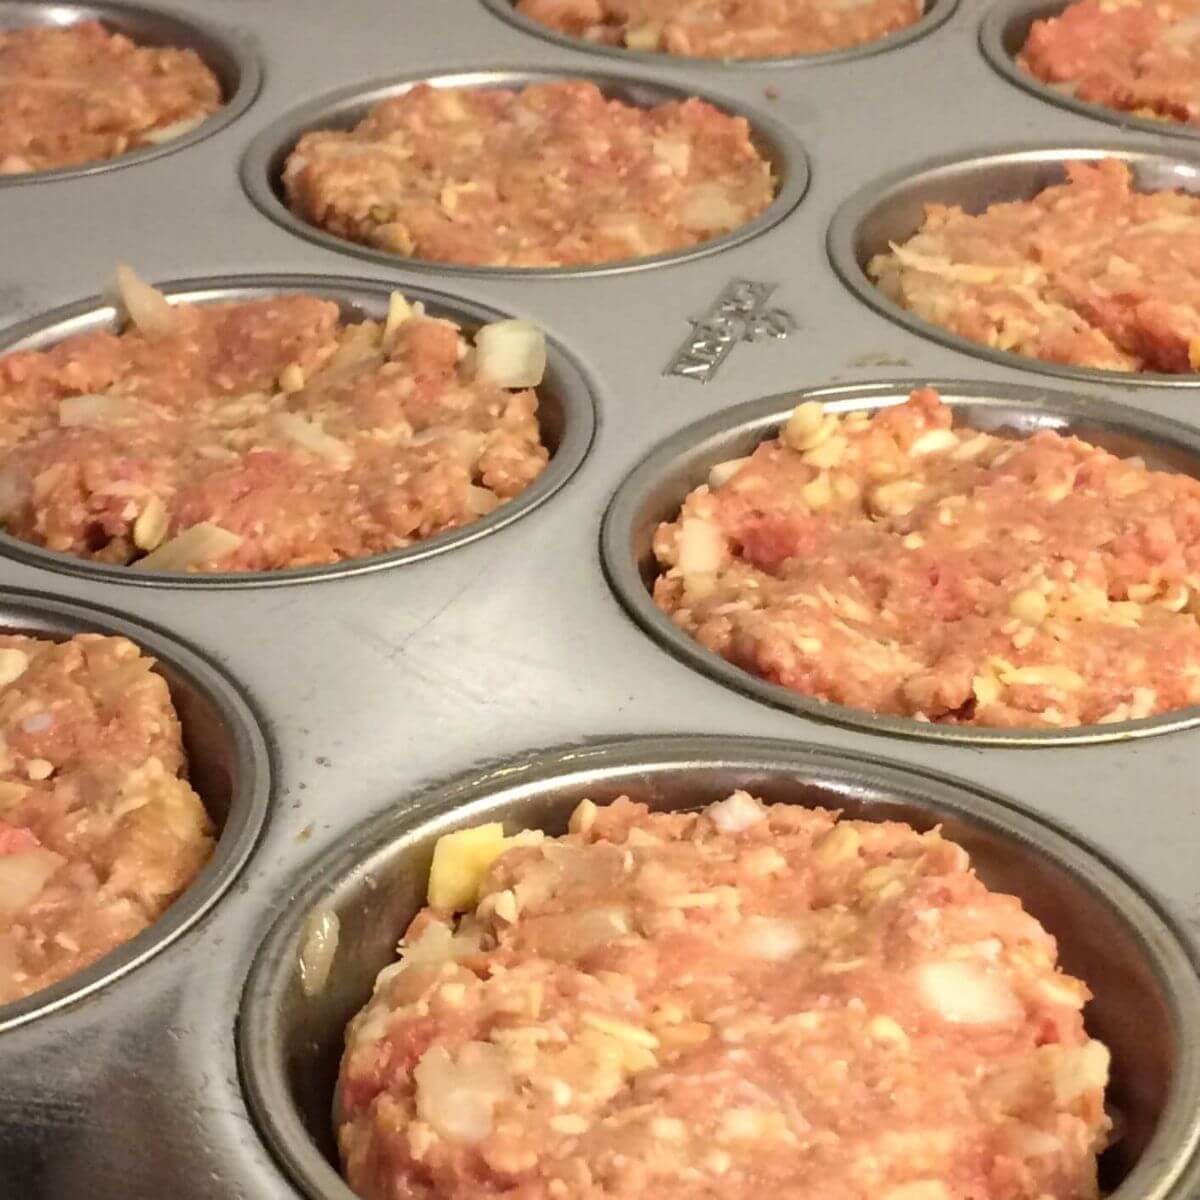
(739, 314)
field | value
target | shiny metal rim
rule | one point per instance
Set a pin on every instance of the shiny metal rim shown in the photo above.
(392, 851)
(1003, 33)
(565, 394)
(1014, 173)
(228, 56)
(198, 687)
(263, 162)
(937, 12)
(658, 485)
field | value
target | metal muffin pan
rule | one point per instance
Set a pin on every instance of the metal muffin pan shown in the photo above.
(893, 209)
(228, 765)
(1003, 34)
(935, 12)
(229, 58)
(657, 487)
(262, 167)
(1147, 994)
(374, 690)
(566, 413)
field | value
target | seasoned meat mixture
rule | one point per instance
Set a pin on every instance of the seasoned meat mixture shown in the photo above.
(896, 564)
(749, 1001)
(1138, 56)
(552, 175)
(264, 434)
(78, 94)
(1089, 272)
(99, 830)
(726, 28)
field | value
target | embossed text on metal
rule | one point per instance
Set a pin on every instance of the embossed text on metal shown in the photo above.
(739, 314)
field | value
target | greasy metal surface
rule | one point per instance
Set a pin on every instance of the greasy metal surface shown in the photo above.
(657, 487)
(229, 768)
(934, 13)
(230, 58)
(262, 168)
(1002, 35)
(1147, 994)
(566, 414)
(892, 210)
(374, 687)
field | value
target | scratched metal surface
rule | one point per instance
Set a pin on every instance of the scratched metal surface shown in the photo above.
(373, 687)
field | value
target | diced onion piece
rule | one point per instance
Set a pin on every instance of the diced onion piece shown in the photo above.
(1078, 1069)
(399, 311)
(723, 472)
(675, 152)
(96, 411)
(13, 664)
(460, 862)
(482, 501)
(195, 546)
(701, 547)
(964, 994)
(23, 875)
(511, 354)
(308, 435)
(643, 37)
(708, 208)
(151, 526)
(321, 932)
(458, 1098)
(436, 945)
(165, 133)
(736, 813)
(773, 939)
(146, 306)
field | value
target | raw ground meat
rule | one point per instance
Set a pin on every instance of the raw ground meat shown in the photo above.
(891, 563)
(1089, 272)
(78, 94)
(305, 440)
(552, 175)
(726, 28)
(725, 1005)
(99, 829)
(1138, 56)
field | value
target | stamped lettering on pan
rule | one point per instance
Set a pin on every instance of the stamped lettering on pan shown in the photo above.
(739, 314)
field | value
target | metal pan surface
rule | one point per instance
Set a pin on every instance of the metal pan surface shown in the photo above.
(228, 56)
(566, 411)
(1147, 993)
(893, 208)
(228, 765)
(262, 166)
(1004, 32)
(935, 13)
(657, 487)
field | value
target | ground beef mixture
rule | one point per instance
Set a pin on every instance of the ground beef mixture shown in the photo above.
(78, 94)
(552, 175)
(895, 564)
(743, 1002)
(99, 830)
(265, 434)
(726, 28)
(1089, 272)
(1138, 56)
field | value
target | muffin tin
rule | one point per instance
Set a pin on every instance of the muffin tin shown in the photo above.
(493, 677)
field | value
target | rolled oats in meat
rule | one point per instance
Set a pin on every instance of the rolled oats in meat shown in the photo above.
(1137, 56)
(264, 434)
(753, 1000)
(1089, 272)
(552, 175)
(99, 829)
(726, 28)
(78, 93)
(895, 564)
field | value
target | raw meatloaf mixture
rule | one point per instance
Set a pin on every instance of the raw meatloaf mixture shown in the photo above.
(79, 94)
(744, 1002)
(1138, 56)
(1089, 272)
(264, 434)
(552, 175)
(726, 28)
(99, 830)
(894, 564)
